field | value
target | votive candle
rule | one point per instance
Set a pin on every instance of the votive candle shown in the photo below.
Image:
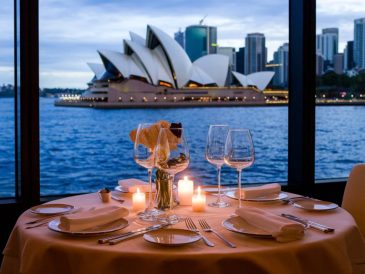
(138, 200)
(185, 189)
(198, 201)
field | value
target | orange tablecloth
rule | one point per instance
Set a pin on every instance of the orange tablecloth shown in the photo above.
(41, 251)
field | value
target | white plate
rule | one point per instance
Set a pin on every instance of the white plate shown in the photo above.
(214, 190)
(314, 205)
(101, 229)
(125, 189)
(239, 225)
(274, 197)
(51, 209)
(171, 237)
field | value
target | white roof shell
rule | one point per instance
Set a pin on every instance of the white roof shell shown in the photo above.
(259, 79)
(150, 61)
(216, 66)
(124, 63)
(177, 57)
(137, 39)
(199, 76)
(98, 69)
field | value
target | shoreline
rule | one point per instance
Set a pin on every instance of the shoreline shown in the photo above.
(139, 105)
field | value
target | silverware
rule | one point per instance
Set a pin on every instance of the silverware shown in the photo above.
(311, 224)
(46, 220)
(112, 240)
(191, 226)
(206, 227)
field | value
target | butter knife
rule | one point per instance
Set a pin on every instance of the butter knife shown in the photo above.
(130, 234)
(311, 224)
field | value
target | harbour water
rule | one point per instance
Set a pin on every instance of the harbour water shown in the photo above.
(84, 149)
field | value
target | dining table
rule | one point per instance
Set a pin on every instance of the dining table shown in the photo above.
(40, 250)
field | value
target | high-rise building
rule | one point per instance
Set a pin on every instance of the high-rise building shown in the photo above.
(200, 40)
(180, 38)
(240, 60)
(359, 42)
(348, 58)
(231, 53)
(327, 43)
(255, 53)
(338, 63)
(281, 58)
(319, 64)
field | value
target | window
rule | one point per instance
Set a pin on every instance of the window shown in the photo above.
(84, 149)
(340, 91)
(7, 120)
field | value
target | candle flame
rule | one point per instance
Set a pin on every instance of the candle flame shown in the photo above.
(137, 190)
(199, 190)
(185, 178)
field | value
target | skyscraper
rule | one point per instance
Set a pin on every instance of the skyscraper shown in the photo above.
(255, 53)
(200, 40)
(359, 42)
(327, 43)
(349, 56)
(240, 60)
(338, 63)
(231, 53)
(180, 38)
(281, 57)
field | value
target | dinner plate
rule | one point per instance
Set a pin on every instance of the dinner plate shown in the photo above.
(239, 225)
(214, 190)
(314, 205)
(274, 197)
(51, 209)
(125, 189)
(97, 230)
(172, 237)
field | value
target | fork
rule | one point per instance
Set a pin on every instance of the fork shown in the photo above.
(192, 227)
(206, 227)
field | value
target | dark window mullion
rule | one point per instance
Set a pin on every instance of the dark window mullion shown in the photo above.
(301, 144)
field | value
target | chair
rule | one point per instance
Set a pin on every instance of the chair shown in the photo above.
(354, 196)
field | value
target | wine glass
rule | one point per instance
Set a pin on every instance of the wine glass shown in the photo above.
(171, 156)
(214, 153)
(239, 153)
(143, 154)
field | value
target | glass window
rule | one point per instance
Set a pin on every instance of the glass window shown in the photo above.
(89, 59)
(7, 136)
(340, 94)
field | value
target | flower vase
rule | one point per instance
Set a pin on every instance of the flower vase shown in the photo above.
(164, 191)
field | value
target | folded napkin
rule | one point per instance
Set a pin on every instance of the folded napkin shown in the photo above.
(260, 191)
(131, 185)
(92, 218)
(281, 229)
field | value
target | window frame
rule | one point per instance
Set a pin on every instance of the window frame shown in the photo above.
(301, 107)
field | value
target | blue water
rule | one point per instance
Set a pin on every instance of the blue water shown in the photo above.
(84, 149)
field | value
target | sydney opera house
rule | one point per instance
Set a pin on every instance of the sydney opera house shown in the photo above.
(157, 70)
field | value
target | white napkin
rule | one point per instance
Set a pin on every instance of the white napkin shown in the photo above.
(91, 218)
(131, 185)
(260, 191)
(281, 229)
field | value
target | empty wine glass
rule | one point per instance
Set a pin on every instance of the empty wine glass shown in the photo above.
(143, 154)
(239, 153)
(171, 156)
(214, 153)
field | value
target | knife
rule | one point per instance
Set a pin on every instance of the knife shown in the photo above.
(130, 234)
(311, 224)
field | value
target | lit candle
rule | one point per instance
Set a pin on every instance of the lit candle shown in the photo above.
(199, 201)
(185, 189)
(138, 200)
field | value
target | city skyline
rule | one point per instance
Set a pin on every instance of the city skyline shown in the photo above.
(67, 41)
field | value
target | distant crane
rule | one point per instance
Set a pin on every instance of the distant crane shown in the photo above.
(202, 20)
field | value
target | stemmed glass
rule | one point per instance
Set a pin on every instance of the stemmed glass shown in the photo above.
(239, 153)
(143, 154)
(214, 153)
(171, 156)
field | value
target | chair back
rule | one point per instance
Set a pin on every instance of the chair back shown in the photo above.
(354, 196)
